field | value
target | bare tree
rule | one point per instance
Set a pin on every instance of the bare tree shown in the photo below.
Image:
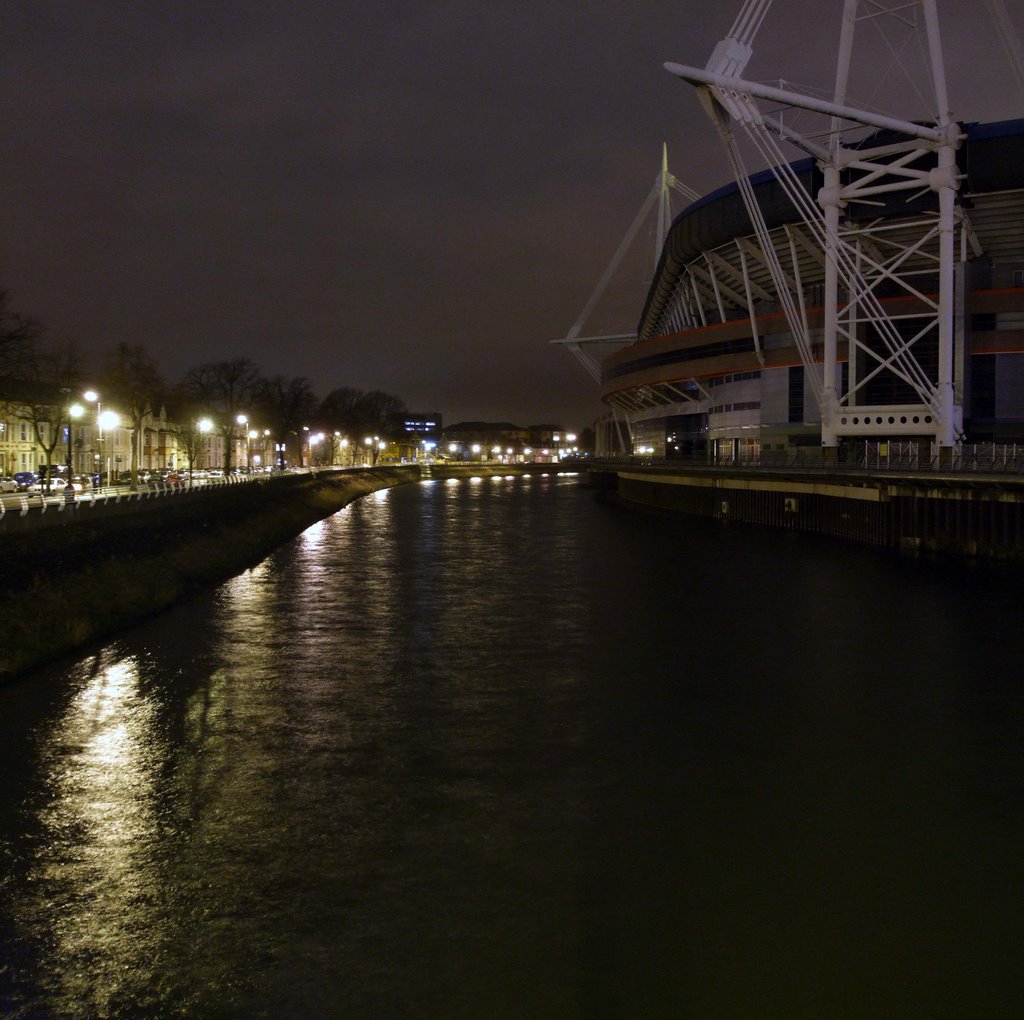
(363, 415)
(228, 388)
(287, 404)
(18, 337)
(48, 374)
(381, 414)
(340, 410)
(192, 440)
(131, 382)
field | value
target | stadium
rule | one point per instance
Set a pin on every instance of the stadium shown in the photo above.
(868, 296)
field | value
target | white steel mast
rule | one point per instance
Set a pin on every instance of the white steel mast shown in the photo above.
(863, 257)
(664, 184)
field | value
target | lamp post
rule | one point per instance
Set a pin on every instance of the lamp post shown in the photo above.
(92, 397)
(313, 440)
(75, 411)
(205, 426)
(243, 420)
(108, 420)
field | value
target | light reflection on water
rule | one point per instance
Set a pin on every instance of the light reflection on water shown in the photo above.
(93, 878)
(473, 750)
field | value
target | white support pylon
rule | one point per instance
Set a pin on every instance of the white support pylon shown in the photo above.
(921, 159)
(660, 192)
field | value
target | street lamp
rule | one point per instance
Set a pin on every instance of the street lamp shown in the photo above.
(108, 420)
(243, 421)
(92, 397)
(205, 426)
(75, 411)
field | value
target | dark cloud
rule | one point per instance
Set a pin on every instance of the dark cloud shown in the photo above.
(409, 196)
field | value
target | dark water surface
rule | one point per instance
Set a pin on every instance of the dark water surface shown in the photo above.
(495, 749)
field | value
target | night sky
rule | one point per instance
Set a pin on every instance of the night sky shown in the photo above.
(402, 196)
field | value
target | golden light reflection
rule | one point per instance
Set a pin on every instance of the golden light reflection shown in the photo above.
(312, 538)
(93, 870)
(248, 591)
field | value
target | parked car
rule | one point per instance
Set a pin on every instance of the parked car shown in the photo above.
(8, 485)
(24, 480)
(56, 484)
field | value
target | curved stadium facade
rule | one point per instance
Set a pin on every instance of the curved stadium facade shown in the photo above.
(716, 371)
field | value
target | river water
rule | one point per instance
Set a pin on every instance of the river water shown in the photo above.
(494, 748)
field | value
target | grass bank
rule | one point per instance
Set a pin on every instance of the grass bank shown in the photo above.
(67, 587)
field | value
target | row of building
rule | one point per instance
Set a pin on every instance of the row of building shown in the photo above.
(92, 445)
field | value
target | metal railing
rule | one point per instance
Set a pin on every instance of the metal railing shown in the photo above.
(964, 458)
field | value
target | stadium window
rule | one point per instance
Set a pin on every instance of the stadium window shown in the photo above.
(796, 393)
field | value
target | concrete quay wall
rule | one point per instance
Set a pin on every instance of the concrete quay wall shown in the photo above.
(969, 515)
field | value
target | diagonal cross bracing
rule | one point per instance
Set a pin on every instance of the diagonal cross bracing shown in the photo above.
(857, 261)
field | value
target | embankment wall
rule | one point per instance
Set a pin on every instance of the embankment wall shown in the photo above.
(87, 572)
(965, 516)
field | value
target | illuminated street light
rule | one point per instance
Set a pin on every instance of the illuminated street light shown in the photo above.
(108, 421)
(242, 420)
(313, 441)
(205, 426)
(92, 397)
(75, 411)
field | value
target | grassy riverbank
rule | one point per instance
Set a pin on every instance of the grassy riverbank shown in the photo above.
(67, 587)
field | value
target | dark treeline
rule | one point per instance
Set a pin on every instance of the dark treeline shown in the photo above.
(41, 378)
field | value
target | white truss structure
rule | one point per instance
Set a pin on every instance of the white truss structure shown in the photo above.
(583, 347)
(861, 261)
(661, 193)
